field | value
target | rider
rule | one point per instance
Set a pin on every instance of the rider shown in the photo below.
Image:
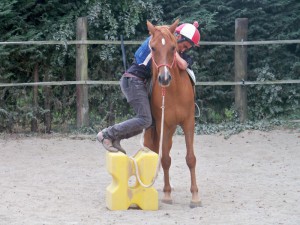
(133, 87)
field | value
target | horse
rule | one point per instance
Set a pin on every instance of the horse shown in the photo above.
(175, 84)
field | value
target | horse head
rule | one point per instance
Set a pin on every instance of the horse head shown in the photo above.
(163, 46)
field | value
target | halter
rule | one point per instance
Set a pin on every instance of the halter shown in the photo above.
(163, 64)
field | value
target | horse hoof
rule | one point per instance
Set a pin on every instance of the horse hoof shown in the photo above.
(195, 204)
(167, 201)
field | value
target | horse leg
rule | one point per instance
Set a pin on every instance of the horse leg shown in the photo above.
(151, 139)
(191, 162)
(166, 164)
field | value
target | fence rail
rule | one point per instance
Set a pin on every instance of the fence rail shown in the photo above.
(101, 42)
(204, 83)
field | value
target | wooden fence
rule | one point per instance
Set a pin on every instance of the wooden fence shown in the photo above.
(240, 82)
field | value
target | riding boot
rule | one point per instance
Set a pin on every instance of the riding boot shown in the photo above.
(106, 141)
(116, 143)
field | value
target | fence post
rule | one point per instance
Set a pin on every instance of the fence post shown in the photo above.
(34, 122)
(240, 68)
(47, 103)
(82, 74)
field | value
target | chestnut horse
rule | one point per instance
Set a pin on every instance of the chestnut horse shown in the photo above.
(172, 82)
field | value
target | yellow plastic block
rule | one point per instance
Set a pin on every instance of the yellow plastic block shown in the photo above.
(119, 195)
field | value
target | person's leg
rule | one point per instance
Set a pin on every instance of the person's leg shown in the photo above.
(137, 96)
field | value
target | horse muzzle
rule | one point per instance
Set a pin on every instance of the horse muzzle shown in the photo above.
(164, 77)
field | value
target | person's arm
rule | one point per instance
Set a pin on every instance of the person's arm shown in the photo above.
(182, 64)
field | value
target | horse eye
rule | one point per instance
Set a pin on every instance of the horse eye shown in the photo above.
(152, 48)
(173, 48)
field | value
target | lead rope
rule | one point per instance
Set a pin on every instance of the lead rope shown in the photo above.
(198, 110)
(163, 90)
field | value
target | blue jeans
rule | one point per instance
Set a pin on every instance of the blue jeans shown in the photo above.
(136, 94)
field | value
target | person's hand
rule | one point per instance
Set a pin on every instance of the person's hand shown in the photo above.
(182, 64)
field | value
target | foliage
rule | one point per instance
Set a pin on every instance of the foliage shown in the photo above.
(269, 101)
(216, 63)
(55, 20)
(108, 20)
(227, 129)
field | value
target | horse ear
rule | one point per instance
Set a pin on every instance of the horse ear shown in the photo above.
(173, 26)
(150, 26)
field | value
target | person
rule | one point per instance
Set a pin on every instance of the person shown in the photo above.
(133, 86)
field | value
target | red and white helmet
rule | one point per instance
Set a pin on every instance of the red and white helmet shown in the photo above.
(190, 32)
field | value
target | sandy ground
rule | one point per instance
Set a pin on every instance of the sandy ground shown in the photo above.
(250, 178)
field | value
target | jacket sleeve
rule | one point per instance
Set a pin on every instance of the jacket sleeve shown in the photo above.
(188, 59)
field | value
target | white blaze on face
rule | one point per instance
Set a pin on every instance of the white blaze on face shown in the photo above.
(163, 41)
(166, 73)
